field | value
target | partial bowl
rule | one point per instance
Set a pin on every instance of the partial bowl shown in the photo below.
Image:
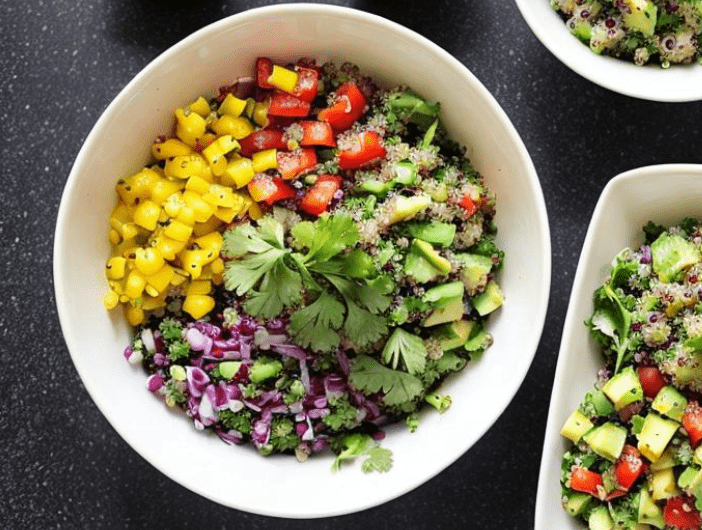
(119, 144)
(679, 83)
(664, 194)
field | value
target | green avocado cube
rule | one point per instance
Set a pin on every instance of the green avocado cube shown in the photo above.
(403, 208)
(655, 434)
(474, 271)
(649, 512)
(670, 402)
(577, 503)
(672, 253)
(454, 335)
(434, 232)
(607, 440)
(451, 311)
(599, 519)
(489, 300)
(624, 388)
(640, 15)
(432, 256)
(576, 426)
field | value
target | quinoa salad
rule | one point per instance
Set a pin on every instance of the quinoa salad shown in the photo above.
(305, 260)
(634, 458)
(664, 32)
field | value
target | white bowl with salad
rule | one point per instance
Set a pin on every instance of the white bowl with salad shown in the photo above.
(622, 437)
(289, 274)
(646, 49)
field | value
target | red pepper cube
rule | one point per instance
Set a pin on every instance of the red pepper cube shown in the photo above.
(264, 68)
(319, 196)
(268, 189)
(262, 139)
(317, 133)
(307, 84)
(468, 204)
(692, 422)
(348, 107)
(286, 105)
(294, 163)
(586, 481)
(365, 150)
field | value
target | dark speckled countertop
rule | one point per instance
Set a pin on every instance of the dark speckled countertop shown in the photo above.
(62, 62)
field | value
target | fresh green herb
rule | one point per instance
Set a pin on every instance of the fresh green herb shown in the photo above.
(283, 436)
(355, 445)
(178, 349)
(170, 328)
(406, 347)
(343, 415)
(239, 421)
(399, 388)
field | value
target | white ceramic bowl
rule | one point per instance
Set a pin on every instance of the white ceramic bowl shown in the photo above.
(119, 144)
(676, 84)
(663, 194)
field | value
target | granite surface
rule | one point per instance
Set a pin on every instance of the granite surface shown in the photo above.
(62, 62)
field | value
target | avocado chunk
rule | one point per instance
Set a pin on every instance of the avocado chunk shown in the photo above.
(670, 402)
(624, 388)
(649, 512)
(640, 15)
(607, 440)
(376, 187)
(451, 311)
(655, 434)
(576, 426)
(454, 335)
(601, 403)
(403, 208)
(662, 484)
(666, 460)
(599, 519)
(478, 340)
(432, 256)
(419, 269)
(441, 293)
(434, 232)
(687, 373)
(405, 172)
(475, 271)
(671, 254)
(228, 369)
(489, 300)
(577, 503)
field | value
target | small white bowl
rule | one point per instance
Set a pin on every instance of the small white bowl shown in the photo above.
(676, 84)
(119, 144)
(664, 194)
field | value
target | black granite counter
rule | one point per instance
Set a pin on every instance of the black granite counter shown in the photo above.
(62, 62)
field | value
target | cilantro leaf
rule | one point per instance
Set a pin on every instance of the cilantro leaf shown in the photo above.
(407, 347)
(611, 319)
(398, 388)
(379, 459)
(362, 326)
(327, 236)
(313, 326)
(242, 275)
(357, 444)
(280, 287)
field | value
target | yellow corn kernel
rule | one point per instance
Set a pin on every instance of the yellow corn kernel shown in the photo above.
(115, 268)
(121, 214)
(212, 241)
(217, 278)
(237, 126)
(110, 299)
(164, 188)
(193, 261)
(172, 205)
(284, 79)
(232, 105)
(117, 287)
(255, 211)
(153, 301)
(217, 266)
(178, 230)
(135, 314)
(148, 260)
(161, 279)
(200, 106)
(198, 305)
(216, 151)
(184, 167)
(169, 148)
(199, 287)
(114, 237)
(186, 215)
(201, 209)
(220, 196)
(226, 214)
(211, 225)
(168, 247)
(137, 186)
(190, 127)
(239, 172)
(263, 160)
(135, 284)
(206, 140)
(146, 214)
(129, 231)
(260, 114)
(197, 184)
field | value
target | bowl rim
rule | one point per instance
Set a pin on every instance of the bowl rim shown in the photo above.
(617, 75)
(61, 231)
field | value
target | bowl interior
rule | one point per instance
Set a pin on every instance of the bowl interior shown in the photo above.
(663, 194)
(119, 145)
(676, 84)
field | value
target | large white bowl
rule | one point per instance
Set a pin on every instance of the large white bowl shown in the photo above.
(677, 83)
(663, 194)
(119, 144)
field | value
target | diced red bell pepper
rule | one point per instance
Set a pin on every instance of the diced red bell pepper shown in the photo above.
(586, 481)
(348, 107)
(268, 189)
(262, 139)
(680, 513)
(366, 148)
(319, 196)
(307, 84)
(651, 379)
(288, 106)
(264, 69)
(692, 422)
(293, 163)
(317, 133)
(629, 467)
(468, 204)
